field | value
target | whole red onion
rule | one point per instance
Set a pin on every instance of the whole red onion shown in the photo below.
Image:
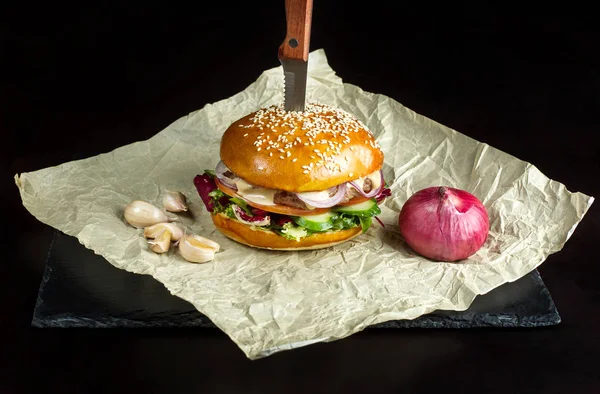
(443, 223)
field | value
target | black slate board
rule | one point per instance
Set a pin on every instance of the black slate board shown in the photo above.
(81, 289)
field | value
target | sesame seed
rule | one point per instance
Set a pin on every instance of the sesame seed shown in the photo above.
(246, 135)
(281, 157)
(305, 172)
(318, 122)
(258, 150)
(295, 158)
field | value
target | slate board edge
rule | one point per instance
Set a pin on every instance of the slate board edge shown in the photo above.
(431, 320)
(111, 322)
(45, 279)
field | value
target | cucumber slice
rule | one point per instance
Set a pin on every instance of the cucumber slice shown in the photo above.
(320, 222)
(363, 209)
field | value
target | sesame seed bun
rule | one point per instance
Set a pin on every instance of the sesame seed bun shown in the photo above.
(300, 151)
(265, 239)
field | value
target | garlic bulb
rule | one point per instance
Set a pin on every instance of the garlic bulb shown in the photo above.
(155, 230)
(161, 243)
(174, 202)
(197, 249)
(141, 214)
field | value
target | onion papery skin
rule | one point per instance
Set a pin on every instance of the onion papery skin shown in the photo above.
(444, 223)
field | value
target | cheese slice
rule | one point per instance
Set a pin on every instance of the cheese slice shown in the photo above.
(258, 195)
(315, 196)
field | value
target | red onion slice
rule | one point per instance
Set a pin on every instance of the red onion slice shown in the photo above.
(327, 203)
(220, 171)
(373, 192)
(250, 220)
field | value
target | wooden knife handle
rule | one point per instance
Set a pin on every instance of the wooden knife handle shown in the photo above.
(298, 14)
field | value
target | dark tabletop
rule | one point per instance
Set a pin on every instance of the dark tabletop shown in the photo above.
(83, 80)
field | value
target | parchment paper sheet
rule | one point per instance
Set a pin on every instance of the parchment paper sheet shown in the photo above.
(272, 301)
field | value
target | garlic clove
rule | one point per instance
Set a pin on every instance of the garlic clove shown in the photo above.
(174, 201)
(141, 214)
(161, 243)
(197, 249)
(156, 229)
(201, 241)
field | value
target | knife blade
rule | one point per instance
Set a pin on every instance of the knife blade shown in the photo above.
(293, 52)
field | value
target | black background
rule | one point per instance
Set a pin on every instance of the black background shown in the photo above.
(85, 79)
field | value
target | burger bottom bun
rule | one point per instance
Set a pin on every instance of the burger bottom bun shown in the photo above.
(246, 235)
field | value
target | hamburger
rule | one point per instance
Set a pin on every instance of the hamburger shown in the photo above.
(290, 180)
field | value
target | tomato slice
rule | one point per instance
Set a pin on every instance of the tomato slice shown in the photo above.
(281, 209)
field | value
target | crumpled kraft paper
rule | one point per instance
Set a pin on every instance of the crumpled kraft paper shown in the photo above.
(269, 301)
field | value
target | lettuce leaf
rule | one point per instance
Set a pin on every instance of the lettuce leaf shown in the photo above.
(344, 221)
(366, 223)
(293, 231)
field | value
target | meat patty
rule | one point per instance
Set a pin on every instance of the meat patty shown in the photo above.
(368, 185)
(351, 192)
(289, 199)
